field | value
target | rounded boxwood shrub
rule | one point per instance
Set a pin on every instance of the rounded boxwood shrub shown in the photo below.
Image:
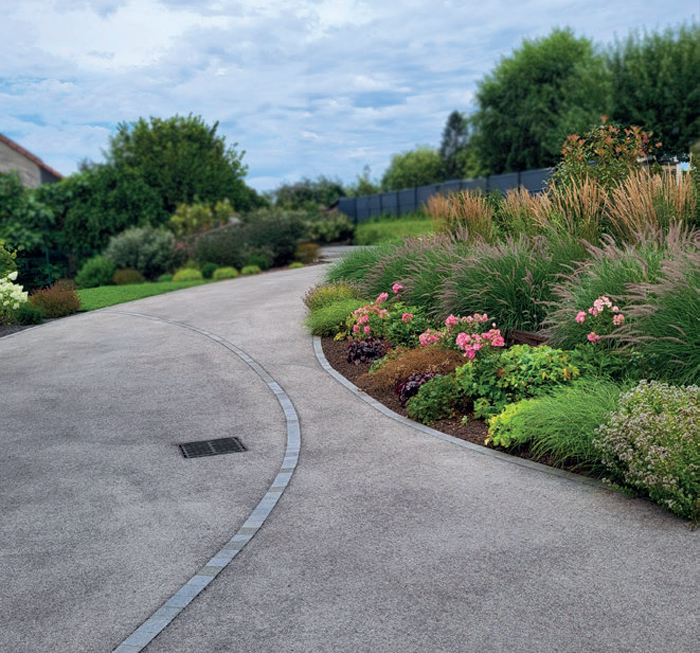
(259, 259)
(296, 265)
(208, 270)
(127, 277)
(165, 277)
(224, 273)
(97, 271)
(188, 274)
(250, 269)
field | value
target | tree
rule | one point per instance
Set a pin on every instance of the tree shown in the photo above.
(309, 194)
(546, 90)
(183, 160)
(364, 185)
(419, 167)
(455, 140)
(656, 84)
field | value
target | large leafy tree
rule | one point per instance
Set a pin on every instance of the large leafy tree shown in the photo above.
(546, 90)
(183, 159)
(419, 167)
(656, 84)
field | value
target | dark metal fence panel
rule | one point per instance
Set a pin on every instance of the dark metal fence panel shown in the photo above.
(535, 181)
(348, 206)
(503, 182)
(424, 192)
(375, 205)
(412, 199)
(407, 201)
(480, 183)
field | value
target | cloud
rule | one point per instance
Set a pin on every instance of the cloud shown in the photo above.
(306, 87)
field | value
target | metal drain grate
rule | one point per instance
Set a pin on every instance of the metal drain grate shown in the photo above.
(211, 447)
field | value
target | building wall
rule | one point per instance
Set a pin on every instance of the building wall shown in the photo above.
(29, 172)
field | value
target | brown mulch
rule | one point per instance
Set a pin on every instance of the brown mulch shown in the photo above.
(335, 351)
(7, 329)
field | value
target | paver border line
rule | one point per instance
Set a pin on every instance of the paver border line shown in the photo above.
(475, 448)
(170, 610)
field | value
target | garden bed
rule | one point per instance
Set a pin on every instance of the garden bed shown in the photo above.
(474, 431)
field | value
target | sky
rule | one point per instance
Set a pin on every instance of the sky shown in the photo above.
(304, 87)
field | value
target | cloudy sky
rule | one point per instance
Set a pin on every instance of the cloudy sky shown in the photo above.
(305, 87)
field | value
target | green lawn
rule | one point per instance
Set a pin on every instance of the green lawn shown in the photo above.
(379, 232)
(93, 298)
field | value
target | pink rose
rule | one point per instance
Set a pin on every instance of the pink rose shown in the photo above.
(406, 317)
(355, 328)
(367, 329)
(581, 317)
(397, 287)
(594, 338)
(618, 319)
(382, 298)
(451, 321)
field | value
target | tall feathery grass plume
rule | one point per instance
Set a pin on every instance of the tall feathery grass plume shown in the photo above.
(647, 203)
(466, 211)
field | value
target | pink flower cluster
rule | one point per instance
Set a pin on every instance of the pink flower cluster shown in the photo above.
(470, 343)
(600, 308)
(362, 316)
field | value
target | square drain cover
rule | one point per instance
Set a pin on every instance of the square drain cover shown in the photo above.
(211, 447)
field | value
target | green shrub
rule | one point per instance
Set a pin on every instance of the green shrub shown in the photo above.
(295, 265)
(439, 398)
(495, 379)
(127, 277)
(188, 274)
(57, 301)
(277, 232)
(327, 293)
(165, 277)
(97, 271)
(652, 445)
(259, 260)
(329, 227)
(329, 320)
(405, 325)
(208, 270)
(28, 314)
(560, 426)
(248, 270)
(224, 273)
(224, 246)
(148, 250)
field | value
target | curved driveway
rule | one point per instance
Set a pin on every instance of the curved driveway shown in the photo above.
(387, 538)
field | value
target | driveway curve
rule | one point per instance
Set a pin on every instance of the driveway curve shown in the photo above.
(386, 539)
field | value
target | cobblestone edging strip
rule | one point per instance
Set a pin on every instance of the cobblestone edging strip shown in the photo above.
(160, 619)
(484, 451)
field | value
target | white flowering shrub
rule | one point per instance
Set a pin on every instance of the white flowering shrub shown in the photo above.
(652, 445)
(12, 296)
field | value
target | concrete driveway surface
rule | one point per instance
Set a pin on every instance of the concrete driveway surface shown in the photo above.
(372, 536)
